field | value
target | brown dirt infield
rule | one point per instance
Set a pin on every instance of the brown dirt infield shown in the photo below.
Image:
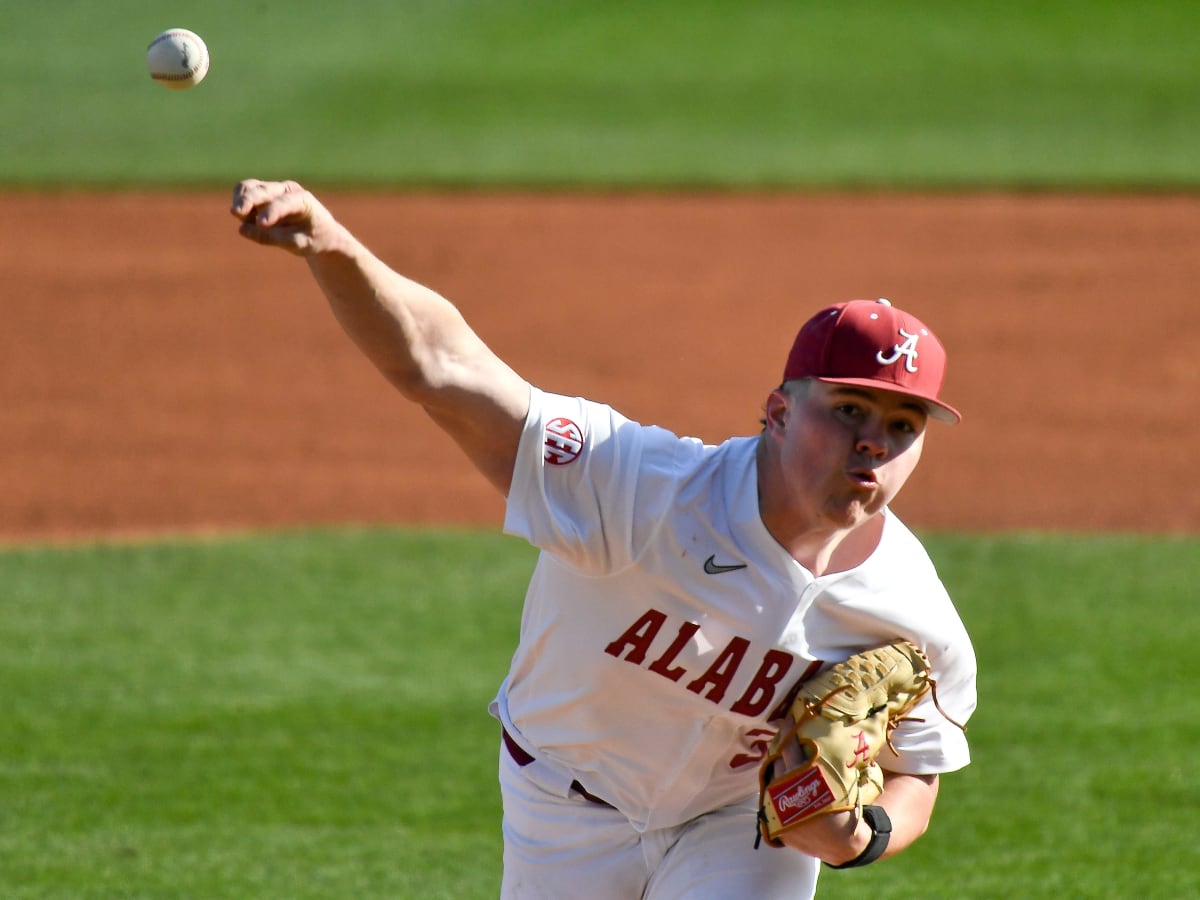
(157, 373)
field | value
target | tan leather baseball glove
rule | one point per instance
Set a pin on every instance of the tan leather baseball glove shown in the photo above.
(822, 760)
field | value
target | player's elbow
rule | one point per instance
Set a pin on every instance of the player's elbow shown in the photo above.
(919, 827)
(414, 383)
(425, 375)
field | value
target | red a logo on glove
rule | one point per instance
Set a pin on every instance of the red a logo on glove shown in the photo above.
(862, 748)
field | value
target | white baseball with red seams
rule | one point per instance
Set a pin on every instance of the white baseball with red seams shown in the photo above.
(177, 59)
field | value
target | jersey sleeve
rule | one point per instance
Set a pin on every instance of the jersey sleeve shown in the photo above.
(590, 486)
(930, 740)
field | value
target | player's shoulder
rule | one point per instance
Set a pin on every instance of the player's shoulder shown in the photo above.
(899, 584)
(605, 429)
(900, 549)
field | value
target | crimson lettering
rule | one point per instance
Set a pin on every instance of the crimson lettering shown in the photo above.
(671, 655)
(774, 666)
(662, 664)
(638, 636)
(721, 672)
(760, 743)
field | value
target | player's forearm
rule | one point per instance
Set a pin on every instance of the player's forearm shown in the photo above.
(835, 838)
(840, 837)
(414, 336)
(908, 800)
(411, 333)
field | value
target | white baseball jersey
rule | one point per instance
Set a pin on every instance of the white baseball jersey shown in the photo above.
(664, 627)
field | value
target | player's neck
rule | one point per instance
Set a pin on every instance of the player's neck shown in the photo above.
(824, 552)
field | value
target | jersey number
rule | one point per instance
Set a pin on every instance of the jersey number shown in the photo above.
(760, 743)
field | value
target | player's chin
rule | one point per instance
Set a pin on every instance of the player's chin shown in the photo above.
(853, 509)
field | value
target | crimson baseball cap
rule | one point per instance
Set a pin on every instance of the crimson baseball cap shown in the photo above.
(871, 343)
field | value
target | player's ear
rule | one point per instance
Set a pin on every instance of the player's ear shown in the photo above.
(775, 411)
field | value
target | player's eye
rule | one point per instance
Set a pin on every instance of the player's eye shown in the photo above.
(908, 426)
(849, 410)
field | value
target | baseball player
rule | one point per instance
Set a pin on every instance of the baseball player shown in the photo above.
(683, 592)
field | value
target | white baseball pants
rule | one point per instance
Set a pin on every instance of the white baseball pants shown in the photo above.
(561, 847)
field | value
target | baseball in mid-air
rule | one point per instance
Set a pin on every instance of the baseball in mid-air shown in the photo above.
(177, 58)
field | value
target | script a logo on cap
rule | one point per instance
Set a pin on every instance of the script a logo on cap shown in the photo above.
(908, 350)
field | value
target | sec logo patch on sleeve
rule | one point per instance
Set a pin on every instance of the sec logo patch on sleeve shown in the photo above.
(564, 441)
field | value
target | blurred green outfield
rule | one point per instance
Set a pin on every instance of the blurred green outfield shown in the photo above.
(563, 92)
(302, 715)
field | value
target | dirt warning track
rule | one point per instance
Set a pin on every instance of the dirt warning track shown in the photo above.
(158, 373)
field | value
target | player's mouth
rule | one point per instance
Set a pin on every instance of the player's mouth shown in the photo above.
(864, 478)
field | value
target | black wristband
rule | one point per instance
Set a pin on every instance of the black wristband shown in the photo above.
(881, 833)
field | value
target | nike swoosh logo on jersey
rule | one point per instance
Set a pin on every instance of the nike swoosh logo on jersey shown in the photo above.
(712, 567)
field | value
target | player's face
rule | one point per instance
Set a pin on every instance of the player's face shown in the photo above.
(846, 451)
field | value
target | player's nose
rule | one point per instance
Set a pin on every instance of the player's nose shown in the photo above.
(872, 443)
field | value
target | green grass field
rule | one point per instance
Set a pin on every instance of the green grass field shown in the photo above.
(303, 715)
(292, 716)
(563, 93)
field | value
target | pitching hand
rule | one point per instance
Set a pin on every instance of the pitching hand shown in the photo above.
(283, 214)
